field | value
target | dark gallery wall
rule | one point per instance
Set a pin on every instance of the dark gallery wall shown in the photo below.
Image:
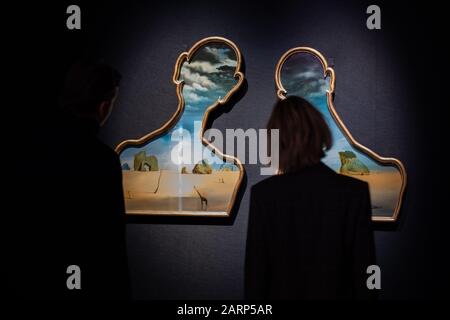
(380, 95)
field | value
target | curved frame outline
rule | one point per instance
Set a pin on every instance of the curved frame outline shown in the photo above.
(182, 58)
(328, 71)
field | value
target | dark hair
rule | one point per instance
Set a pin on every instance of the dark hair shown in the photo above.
(303, 133)
(88, 84)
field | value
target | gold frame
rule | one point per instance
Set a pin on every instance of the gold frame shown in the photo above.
(328, 71)
(186, 57)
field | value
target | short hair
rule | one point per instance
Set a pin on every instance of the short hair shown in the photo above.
(86, 85)
(303, 133)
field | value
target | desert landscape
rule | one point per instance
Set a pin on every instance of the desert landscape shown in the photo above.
(384, 188)
(167, 192)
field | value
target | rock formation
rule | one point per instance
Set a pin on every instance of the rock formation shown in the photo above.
(142, 162)
(350, 164)
(203, 167)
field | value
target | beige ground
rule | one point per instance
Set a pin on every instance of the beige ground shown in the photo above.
(384, 191)
(175, 191)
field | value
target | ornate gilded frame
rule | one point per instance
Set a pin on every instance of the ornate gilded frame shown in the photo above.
(328, 71)
(182, 58)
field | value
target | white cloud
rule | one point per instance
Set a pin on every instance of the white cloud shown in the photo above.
(199, 87)
(193, 77)
(310, 74)
(202, 66)
(194, 98)
(208, 67)
(194, 87)
(218, 54)
(230, 62)
(221, 55)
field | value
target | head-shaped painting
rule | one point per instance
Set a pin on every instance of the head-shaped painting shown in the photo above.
(175, 170)
(305, 72)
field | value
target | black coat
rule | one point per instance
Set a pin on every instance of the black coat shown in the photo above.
(72, 213)
(309, 237)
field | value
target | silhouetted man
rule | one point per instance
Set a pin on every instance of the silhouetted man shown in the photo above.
(78, 216)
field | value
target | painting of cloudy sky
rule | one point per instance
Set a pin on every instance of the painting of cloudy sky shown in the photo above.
(208, 77)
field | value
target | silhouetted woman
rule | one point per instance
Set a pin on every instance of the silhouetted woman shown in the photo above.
(309, 233)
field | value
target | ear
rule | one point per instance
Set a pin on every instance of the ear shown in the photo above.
(103, 111)
(105, 107)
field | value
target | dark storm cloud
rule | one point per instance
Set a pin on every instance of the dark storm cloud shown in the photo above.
(302, 75)
(206, 55)
(227, 69)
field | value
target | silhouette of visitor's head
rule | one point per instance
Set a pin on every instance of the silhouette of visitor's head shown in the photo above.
(304, 135)
(90, 90)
